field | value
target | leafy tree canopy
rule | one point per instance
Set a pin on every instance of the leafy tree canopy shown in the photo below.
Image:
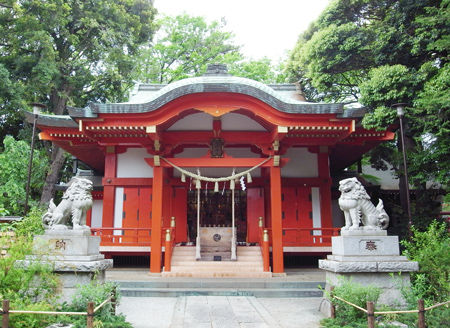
(13, 174)
(67, 52)
(182, 48)
(378, 53)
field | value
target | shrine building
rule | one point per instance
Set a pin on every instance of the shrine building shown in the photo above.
(214, 175)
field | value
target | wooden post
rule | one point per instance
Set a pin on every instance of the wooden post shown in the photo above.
(277, 224)
(333, 307)
(113, 300)
(5, 314)
(109, 191)
(421, 320)
(266, 263)
(157, 207)
(90, 315)
(168, 252)
(370, 315)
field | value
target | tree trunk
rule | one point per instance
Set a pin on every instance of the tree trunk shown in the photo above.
(52, 176)
(58, 100)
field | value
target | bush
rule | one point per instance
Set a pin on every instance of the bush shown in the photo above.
(97, 293)
(347, 315)
(430, 249)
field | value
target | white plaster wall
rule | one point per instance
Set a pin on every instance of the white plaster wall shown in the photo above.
(317, 218)
(193, 122)
(131, 164)
(239, 122)
(97, 213)
(302, 164)
(118, 209)
(192, 153)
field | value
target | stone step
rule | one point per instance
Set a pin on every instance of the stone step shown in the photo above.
(256, 292)
(216, 264)
(217, 274)
(248, 264)
(238, 283)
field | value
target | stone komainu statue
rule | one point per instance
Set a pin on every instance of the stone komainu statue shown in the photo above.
(72, 209)
(357, 207)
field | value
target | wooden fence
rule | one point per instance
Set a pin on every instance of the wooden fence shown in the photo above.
(371, 313)
(90, 311)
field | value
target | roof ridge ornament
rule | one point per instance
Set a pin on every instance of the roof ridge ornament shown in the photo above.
(216, 70)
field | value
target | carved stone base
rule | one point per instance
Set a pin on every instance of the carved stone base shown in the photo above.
(74, 256)
(369, 260)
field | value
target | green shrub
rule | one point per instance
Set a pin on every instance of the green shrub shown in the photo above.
(97, 293)
(347, 315)
(431, 249)
(31, 224)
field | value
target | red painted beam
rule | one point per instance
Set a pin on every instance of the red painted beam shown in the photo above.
(216, 162)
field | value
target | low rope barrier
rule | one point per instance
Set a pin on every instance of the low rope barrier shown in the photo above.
(371, 313)
(5, 311)
(354, 305)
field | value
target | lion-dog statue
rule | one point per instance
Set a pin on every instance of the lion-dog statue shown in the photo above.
(357, 207)
(73, 207)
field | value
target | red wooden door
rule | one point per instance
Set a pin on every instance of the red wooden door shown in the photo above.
(289, 214)
(304, 214)
(255, 210)
(137, 207)
(296, 214)
(179, 211)
(130, 214)
(145, 214)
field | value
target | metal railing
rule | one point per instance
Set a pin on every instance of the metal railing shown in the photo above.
(90, 311)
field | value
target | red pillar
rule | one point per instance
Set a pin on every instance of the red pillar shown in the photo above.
(277, 224)
(325, 188)
(157, 199)
(108, 190)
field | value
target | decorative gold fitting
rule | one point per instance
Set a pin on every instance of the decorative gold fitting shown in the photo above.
(276, 145)
(172, 222)
(168, 235)
(266, 235)
(157, 145)
(156, 160)
(260, 222)
(276, 160)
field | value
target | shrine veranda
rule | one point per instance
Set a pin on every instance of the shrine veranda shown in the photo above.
(215, 151)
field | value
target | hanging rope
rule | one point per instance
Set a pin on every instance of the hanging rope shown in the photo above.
(232, 177)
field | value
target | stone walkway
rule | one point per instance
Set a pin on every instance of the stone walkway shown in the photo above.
(221, 311)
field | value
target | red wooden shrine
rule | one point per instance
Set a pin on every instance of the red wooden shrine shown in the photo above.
(216, 123)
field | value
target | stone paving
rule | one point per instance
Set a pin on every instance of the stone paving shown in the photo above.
(221, 311)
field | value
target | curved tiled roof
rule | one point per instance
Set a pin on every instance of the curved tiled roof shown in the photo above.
(212, 81)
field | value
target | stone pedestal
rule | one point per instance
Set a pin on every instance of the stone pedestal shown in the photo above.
(74, 256)
(215, 243)
(368, 258)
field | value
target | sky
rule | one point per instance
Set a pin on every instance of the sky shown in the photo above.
(263, 28)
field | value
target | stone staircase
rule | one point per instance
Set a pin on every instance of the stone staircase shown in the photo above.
(174, 287)
(249, 264)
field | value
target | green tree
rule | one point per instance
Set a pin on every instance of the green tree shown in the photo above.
(261, 70)
(378, 53)
(68, 53)
(13, 174)
(182, 48)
